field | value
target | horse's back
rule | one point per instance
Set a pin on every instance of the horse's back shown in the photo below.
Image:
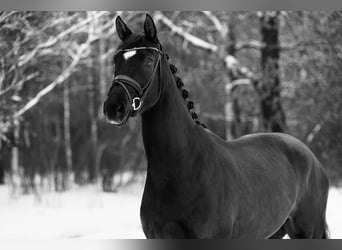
(297, 153)
(304, 162)
(307, 168)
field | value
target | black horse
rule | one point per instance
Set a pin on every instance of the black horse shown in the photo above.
(198, 185)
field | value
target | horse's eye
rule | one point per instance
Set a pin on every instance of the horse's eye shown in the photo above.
(149, 61)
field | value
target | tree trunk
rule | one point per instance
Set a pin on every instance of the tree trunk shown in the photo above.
(16, 177)
(273, 116)
(93, 166)
(2, 166)
(233, 109)
(102, 76)
(235, 130)
(67, 134)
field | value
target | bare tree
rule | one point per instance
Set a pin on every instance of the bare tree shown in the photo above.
(64, 36)
(67, 133)
(225, 47)
(273, 116)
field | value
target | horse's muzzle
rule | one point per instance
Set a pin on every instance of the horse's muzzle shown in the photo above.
(116, 112)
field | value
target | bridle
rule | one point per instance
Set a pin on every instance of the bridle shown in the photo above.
(125, 80)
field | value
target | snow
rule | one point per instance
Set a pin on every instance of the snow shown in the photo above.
(334, 215)
(83, 212)
(87, 212)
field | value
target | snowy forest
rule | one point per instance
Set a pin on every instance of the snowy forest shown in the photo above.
(247, 72)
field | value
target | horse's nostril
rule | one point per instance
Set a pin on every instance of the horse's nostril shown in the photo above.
(104, 110)
(120, 108)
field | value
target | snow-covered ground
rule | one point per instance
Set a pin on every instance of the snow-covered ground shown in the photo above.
(89, 213)
(334, 215)
(83, 212)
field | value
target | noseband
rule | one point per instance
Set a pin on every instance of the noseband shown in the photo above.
(124, 81)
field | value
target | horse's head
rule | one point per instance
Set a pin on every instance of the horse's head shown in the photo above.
(137, 65)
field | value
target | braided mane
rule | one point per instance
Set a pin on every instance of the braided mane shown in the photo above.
(185, 93)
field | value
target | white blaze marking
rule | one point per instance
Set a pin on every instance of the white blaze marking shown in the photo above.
(129, 54)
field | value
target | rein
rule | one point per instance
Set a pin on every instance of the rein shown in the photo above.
(124, 81)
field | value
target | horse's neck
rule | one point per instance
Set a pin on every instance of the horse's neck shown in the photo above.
(167, 127)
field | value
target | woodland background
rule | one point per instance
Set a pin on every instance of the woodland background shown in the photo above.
(247, 72)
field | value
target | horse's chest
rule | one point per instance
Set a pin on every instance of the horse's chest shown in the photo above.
(169, 213)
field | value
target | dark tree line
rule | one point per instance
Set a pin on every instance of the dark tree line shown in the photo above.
(247, 71)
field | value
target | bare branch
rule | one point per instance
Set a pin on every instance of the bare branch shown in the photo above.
(60, 79)
(241, 82)
(60, 20)
(251, 44)
(234, 65)
(7, 15)
(2, 72)
(194, 40)
(257, 45)
(53, 40)
(222, 28)
(215, 117)
(81, 51)
(313, 133)
(231, 62)
(20, 83)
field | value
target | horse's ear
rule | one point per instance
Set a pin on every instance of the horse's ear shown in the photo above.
(150, 29)
(121, 28)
